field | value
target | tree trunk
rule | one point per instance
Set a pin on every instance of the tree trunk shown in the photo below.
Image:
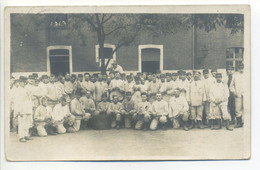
(102, 57)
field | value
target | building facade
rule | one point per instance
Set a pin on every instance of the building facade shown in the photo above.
(37, 47)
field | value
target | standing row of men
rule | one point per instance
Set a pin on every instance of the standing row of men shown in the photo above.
(144, 101)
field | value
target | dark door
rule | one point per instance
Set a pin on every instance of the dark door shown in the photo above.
(150, 60)
(59, 61)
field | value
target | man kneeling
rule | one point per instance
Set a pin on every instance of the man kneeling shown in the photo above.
(42, 118)
(128, 109)
(178, 110)
(114, 110)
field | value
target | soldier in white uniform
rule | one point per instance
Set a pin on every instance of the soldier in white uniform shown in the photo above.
(100, 88)
(87, 85)
(219, 94)
(153, 88)
(128, 109)
(196, 98)
(160, 111)
(116, 68)
(116, 87)
(115, 112)
(23, 110)
(179, 110)
(143, 115)
(237, 88)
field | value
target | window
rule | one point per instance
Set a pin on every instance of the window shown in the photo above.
(234, 57)
(59, 59)
(108, 50)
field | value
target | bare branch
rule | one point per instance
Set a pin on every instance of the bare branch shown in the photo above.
(108, 18)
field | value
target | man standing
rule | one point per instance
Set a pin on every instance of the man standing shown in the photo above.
(179, 110)
(87, 85)
(237, 88)
(116, 87)
(100, 88)
(219, 94)
(160, 112)
(196, 99)
(23, 111)
(231, 99)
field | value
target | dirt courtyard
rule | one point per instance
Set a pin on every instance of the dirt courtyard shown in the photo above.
(126, 144)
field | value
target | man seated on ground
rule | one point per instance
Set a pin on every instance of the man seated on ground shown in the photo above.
(42, 118)
(160, 112)
(61, 117)
(219, 94)
(179, 110)
(88, 105)
(78, 111)
(144, 112)
(114, 110)
(103, 105)
(128, 109)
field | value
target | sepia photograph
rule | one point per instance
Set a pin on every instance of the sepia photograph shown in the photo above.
(112, 83)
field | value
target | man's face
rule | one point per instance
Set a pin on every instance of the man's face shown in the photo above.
(159, 97)
(73, 79)
(219, 79)
(62, 80)
(100, 77)
(206, 75)
(142, 80)
(80, 79)
(176, 93)
(174, 78)
(182, 77)
(112, 75)
(31, 81)
(88, 95)
(162, 80)
(115, 99)
(22, 84)
(230, 72)
(87, 78)
(144, 98)
(154, 79)
(196, 76)
(117, 76)
(149, 78)
(189, 76)
(52, 79)
(168, 78)
(44, 102)
(67, 77)
(45, 81)
(63, 103)
(214, 73)
(130, 79)
(128, 97)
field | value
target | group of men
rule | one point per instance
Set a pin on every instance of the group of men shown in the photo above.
(59, 104)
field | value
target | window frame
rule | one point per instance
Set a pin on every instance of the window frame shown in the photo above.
(98, 60)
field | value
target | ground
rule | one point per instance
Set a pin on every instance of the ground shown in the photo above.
(127, 144)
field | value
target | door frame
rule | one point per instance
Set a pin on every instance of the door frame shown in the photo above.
(58, 47)
(140, 47)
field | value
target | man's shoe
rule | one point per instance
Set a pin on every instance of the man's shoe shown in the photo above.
(227, 125)
(199, 124)
(22, 140)
(28, 138)
(192, 125)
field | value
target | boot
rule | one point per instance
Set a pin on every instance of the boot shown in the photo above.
(22, 140)
(199, 124)
(227, 125)
(28, 138)
(145, 126)
(117, 125)
(192, 125)
(185, 126)
(218, 124)
(210, 124)
(239, 122)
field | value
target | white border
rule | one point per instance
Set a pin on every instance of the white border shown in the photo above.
(58, 47)
(140, 47)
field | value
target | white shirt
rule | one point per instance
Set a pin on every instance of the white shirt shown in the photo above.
(160, 108)
(177, 106)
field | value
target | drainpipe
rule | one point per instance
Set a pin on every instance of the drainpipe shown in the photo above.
(193, 47)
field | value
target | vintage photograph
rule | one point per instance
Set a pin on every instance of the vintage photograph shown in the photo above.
(127, 83)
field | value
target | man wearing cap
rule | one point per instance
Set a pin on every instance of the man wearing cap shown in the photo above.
(219, 94)
(128, 109)
(143, 115)
(231, 99)
(23, 110)
(43, 85)
(196, 99)
(189, 77)
(87, 85)
(182, 83)
(129, 84)
(88, 105)
(160, 111)
(116, 68)
(114, 111)
(68, 85)
(179, 110)
(61, 116)
(42, 117)
(153, 88)
(100, 88)
(103, 105)
(116, 87)
(78, 111)
(52, 97)
(208, 83)
(237, 88)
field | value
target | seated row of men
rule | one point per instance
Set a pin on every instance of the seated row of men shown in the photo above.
(146, 103)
